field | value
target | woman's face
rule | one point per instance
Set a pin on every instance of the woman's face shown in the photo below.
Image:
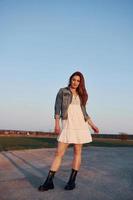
(75, 82)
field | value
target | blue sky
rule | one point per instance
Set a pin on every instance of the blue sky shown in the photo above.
(43, 42)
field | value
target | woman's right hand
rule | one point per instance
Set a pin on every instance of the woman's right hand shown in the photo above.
(57, 129)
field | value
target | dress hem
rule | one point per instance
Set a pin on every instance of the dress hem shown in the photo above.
(74, 142)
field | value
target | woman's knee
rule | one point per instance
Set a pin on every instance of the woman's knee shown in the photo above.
(77, 150)
(60, 151)
(59, 154)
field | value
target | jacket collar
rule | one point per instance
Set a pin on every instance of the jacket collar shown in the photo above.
(68, 88)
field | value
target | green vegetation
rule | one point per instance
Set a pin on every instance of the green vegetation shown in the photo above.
(102, 142)
(19, 143)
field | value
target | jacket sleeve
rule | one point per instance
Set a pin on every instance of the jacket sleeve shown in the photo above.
(58, 102)
(86, 114)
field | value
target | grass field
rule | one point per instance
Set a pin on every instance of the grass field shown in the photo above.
(19, 143)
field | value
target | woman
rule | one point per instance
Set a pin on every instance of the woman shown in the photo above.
(70, 107)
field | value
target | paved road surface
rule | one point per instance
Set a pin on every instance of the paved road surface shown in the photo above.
(105, 173)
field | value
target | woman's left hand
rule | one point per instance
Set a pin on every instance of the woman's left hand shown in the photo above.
(95, 129)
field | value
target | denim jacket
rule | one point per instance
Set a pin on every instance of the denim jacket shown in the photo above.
(63, 99)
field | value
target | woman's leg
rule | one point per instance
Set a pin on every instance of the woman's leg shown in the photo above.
(75, 167)
(60, 151)
(48, 184)
(77, 156)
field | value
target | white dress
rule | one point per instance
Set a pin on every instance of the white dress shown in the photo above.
(75, 129)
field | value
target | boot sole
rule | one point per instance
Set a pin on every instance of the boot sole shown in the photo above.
(45, 189)
(69, 187)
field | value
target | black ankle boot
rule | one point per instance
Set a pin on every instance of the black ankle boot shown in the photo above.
(71, 183)
(48, 184)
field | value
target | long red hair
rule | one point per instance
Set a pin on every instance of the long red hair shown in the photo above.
(81, 88)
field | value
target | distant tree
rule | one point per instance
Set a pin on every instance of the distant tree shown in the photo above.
(123, 136)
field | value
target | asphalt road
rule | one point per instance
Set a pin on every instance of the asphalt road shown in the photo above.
(105, 173)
